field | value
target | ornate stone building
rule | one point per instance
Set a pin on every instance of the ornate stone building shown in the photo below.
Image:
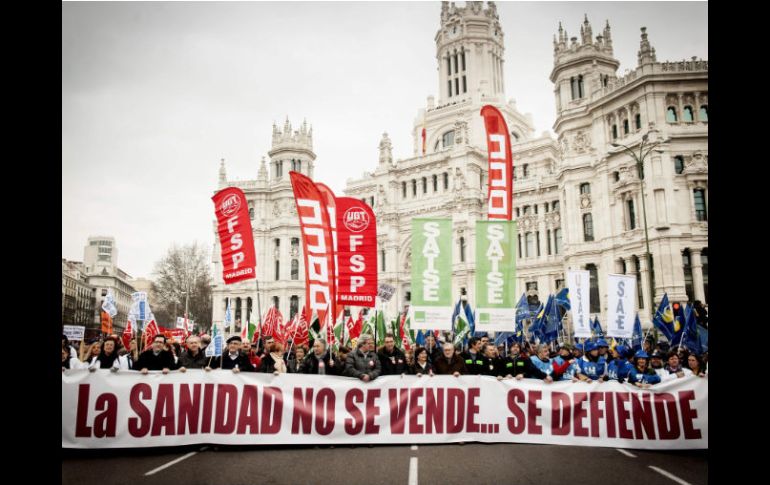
(576, 197)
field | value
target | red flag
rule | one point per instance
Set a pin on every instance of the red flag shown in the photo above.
(150, 331)
(128, 334)
(402, 332)
(500, 186)
(331, 209)
(237, 242)
(358, 326)
(279, 329)
(317, 244)
(268, 323)
(356, 253)
(301, 336)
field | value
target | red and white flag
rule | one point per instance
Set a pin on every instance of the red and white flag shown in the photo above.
(318, 247)
(239, 262)
(279, 328)
(150, 331)
(356, 253)
(268, 322)
(128, 334)
(301, 336)
(500, 186)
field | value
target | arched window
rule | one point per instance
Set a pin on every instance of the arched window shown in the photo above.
(525, 170)
(237, 308)
(526, 210)
(616, 176)
(448, 139)
(614, 132)
(671, 115)
(277, 270)
(403, 190)
(588, 227)
(446, 181)
(687, 114)
(593, 279)
(435, 183)
(638, 119)
(703, 114)
(249, 308)
(625, 127)
(581, 89)
(555, 206)
(574, 88)
(462, 249)
(585, 188)
(414, 188)
(276, 301)
(295, 269)
(679, 164)
(424, 185)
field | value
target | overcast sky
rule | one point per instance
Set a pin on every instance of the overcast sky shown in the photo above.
(155, 94)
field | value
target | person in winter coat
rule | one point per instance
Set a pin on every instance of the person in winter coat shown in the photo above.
(564, 366)
(422, 364)
(473, 357)
(392, 360)
(543, 362)
(641, 375)
(155, 358)
(193, 357)
(620, 367)
(295, 361)
(492, 364)
(592, 366)
(450, 362)
(274, 361)
(321, 362)
(234, 359)
(363, 363)
(108, 358)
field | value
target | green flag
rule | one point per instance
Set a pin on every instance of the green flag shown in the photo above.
(381, 330)
(431, 306)
(495, 276)
(462, 329)
(252, 330)
(396, 333)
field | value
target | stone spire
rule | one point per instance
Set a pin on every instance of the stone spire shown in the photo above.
(386, 150)
(608, 37)
(646, 53)
(262, 176)
(586, 31)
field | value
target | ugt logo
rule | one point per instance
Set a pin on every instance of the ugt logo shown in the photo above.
(356, 219)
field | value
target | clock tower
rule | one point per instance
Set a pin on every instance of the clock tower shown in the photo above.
(469, 50)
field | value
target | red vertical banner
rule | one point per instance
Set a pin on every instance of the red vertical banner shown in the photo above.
(239, 261)
(500, 186)
(356, 253)
(317, 244)
(331, 209)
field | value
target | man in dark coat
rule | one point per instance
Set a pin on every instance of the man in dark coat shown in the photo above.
(235, 359)
(156, 358)
(393, 361)
(450, 362)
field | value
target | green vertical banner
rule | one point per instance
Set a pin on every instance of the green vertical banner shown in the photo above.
(495, 276)
(431, 305)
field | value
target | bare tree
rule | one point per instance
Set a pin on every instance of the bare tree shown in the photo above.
(185, 273)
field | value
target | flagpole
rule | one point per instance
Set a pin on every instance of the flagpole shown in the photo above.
(259, 313)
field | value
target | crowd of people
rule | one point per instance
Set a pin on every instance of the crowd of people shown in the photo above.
(593, 360)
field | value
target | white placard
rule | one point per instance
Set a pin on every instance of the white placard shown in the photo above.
(621, 300)
(578, 283)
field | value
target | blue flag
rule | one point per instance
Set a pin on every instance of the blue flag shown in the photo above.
(471, 319)
(536, 329)
(420, 338)
(636, 338)
(456, 312)
(552, 322)
(596, 328)
(562, 298)
(691, 338)
(664, 319)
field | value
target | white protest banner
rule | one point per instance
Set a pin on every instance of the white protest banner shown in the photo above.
(180, 322)
(578, 283)
(621, 301)
(125, 409)
(74, 332)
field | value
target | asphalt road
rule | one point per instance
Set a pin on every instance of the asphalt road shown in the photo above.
(446, 464)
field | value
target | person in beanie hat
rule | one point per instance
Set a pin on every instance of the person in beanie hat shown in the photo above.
(234, 359)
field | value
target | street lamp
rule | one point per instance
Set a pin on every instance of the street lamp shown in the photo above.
(645, 148)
